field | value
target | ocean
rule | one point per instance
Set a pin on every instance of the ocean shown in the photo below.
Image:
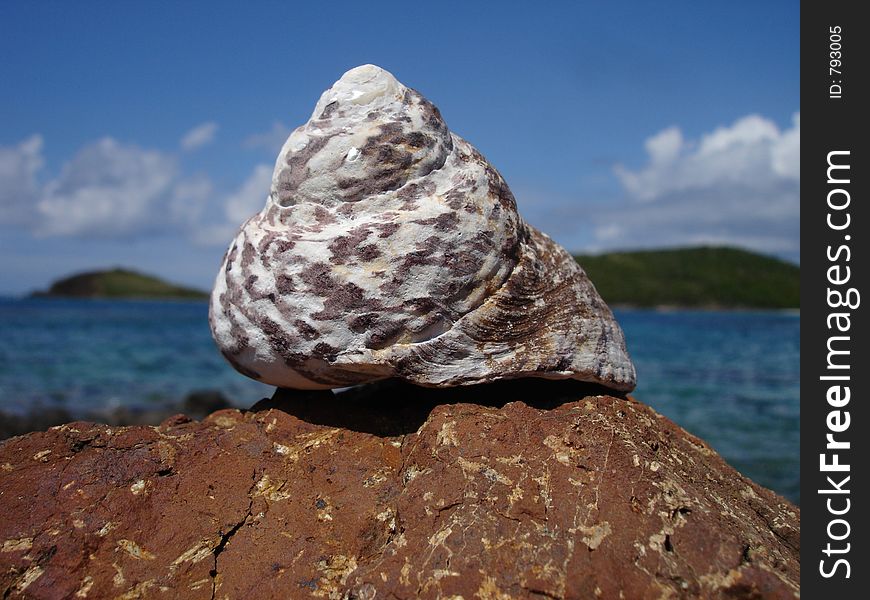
(731, 378)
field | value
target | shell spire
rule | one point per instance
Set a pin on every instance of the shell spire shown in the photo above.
(390, 247)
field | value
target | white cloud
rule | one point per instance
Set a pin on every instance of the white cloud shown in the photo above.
(764, 220)
(239, 206)
(737, 185)
(664, 147)
(189, 199)
(199, 136)
(787, 152)
(111, 190)
(751, 151)
(251, 195)
(271, 140)
(19, 188)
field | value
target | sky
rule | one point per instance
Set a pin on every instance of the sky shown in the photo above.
(142, 134)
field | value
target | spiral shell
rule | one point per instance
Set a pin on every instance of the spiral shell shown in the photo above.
(390, 247)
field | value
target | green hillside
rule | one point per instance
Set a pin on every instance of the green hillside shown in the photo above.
(694, 277)
(702, 277)
(118, 283)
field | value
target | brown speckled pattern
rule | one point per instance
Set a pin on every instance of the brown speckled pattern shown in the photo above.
(390, 247)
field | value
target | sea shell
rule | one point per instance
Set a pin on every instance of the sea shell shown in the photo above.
(390, 247)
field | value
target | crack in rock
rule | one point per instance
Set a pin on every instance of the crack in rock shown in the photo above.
(226, 537)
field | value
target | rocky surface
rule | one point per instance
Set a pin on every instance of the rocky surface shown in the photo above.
(197, 403)
(547, 490)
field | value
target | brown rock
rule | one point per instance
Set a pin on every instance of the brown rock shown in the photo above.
(391, 492)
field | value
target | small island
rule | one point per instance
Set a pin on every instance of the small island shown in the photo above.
(118, 283)
(701, 277)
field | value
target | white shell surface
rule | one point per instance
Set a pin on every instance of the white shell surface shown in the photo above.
(390, 247)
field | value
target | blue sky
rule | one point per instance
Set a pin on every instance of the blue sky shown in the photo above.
(139, 134)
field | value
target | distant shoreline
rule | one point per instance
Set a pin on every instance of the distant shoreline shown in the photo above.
(154, 299)
(701, 278)
(118, 284)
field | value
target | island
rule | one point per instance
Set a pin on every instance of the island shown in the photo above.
(699, 277)
(118, 283)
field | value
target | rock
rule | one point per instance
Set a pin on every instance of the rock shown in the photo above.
(536, 490)
(37, 420)
(390, 247)
(199, 403)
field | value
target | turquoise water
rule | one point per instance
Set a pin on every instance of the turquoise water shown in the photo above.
(86, 355)
(731, 378)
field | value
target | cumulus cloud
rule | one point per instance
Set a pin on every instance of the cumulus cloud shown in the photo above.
(251, 196)
(189, 199)
(112, 190)
(271, 140)
(751, 150)
(238, 207)
(109, 189)
(787, 153)
(19, 188)
(199, 136)
(739, 185)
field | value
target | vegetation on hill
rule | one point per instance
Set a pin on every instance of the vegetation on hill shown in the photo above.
(705, 277)
(118, 283)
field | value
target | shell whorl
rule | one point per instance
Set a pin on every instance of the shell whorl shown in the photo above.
(390, 247)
